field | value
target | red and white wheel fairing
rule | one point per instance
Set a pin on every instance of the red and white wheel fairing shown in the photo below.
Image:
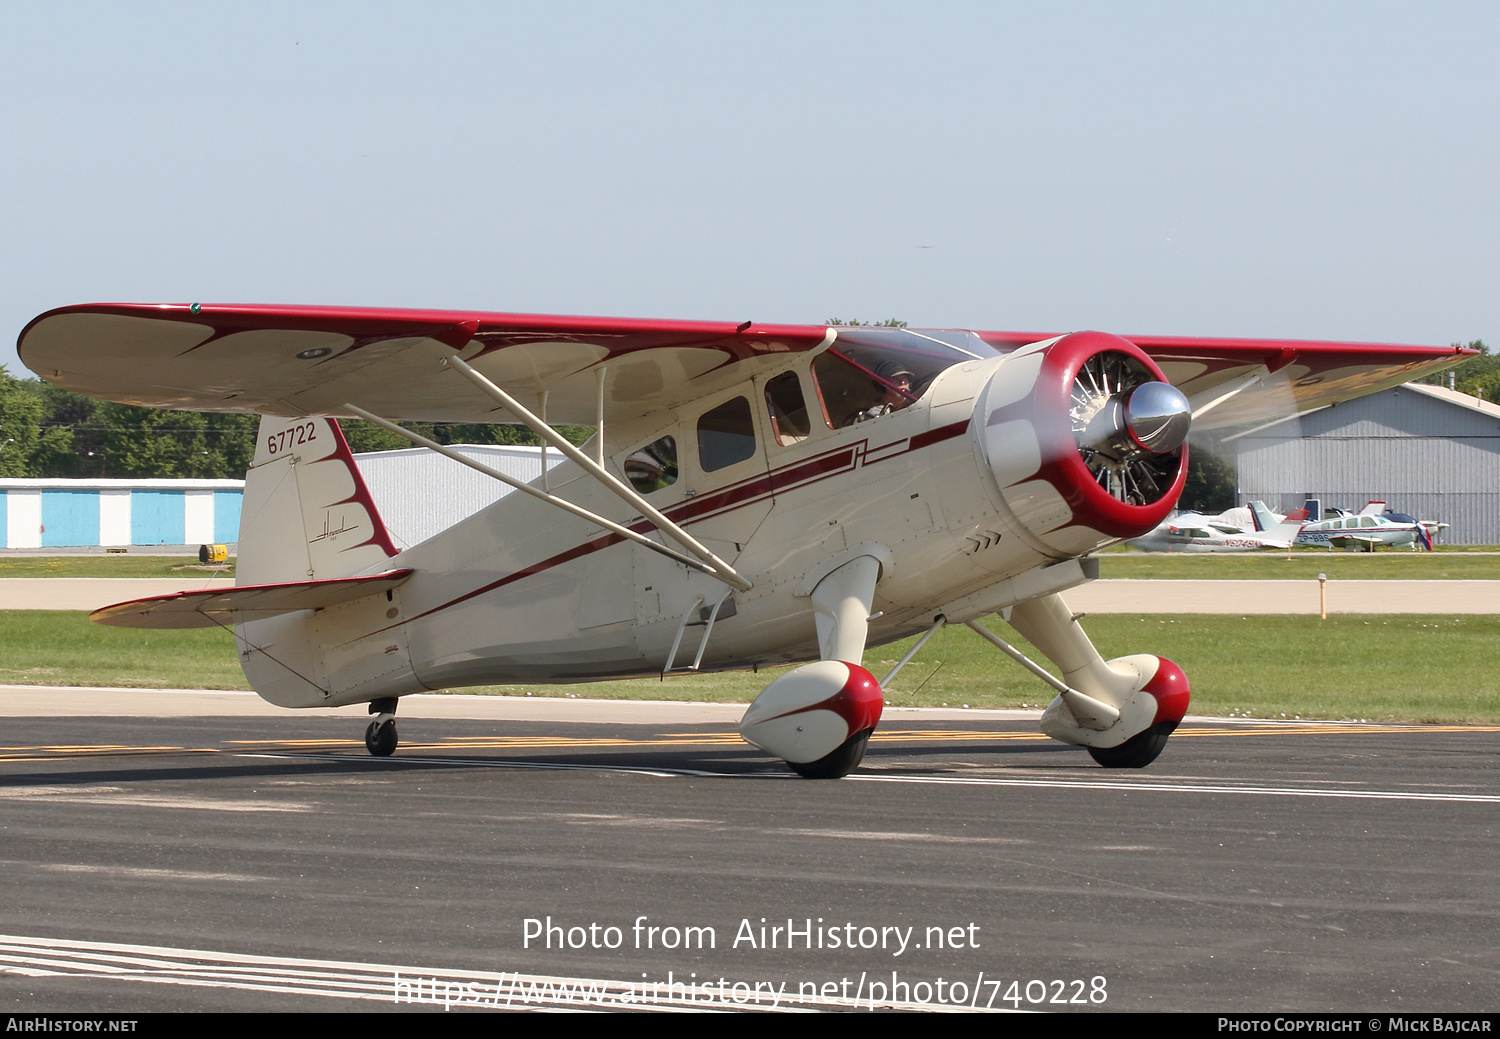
(1150, 692)
(1170, 688)
(809, 713)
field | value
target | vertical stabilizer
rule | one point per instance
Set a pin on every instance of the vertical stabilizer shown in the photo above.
(308, 517)
(1287, 530)
(307, 514)
(1265, 520)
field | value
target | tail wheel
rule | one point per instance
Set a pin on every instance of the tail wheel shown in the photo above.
(1138, 751)
(381, 739)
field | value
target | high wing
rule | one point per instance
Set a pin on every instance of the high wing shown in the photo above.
(293, 361)
(1273, 377)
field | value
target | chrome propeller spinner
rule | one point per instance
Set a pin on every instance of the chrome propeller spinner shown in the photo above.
(1129, 427)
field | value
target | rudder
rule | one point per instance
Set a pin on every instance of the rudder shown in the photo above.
(307, 514)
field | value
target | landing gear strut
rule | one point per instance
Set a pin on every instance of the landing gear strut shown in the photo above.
(380, 737)
(818, 718)
(1122, 710)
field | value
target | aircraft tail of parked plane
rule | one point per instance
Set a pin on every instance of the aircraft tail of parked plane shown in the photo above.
(1284, 534)
(754, 495)
(1265, 521)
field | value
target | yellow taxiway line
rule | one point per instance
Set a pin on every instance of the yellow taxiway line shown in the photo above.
(688, 739)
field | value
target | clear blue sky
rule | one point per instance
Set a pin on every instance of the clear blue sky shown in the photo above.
(1320, 170)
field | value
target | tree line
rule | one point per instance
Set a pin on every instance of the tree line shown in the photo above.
(1477, 376)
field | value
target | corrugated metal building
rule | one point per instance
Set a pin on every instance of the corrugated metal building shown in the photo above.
(69, 513)
(1429, 452)
(420, 492)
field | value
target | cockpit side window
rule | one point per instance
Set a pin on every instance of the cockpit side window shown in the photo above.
(853, 391)
(726, 435)
(653, 467)
(788, 409)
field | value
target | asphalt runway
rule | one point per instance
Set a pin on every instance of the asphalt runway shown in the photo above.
(206, 852)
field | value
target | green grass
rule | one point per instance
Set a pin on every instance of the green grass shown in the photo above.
(1304, 565)
(61, 647)
(1393, 668)
(105, 566)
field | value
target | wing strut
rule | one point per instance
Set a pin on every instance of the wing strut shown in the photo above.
(551, 499)
(720, 569)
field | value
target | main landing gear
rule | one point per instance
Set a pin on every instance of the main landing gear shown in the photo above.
(818, 718)
(1121, 710)
(838, 764)
(380, 737)
(1138, 751)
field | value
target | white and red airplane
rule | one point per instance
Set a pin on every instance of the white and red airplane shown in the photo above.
(1195, 532)
(753, 495)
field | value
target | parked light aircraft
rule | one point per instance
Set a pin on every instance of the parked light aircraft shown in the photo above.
(1371, 527)
(753, 495)
(1193, 532)
(1431, 528)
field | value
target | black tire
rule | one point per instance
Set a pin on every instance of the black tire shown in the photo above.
(380, 738)
(838, 764)
(1136, 752)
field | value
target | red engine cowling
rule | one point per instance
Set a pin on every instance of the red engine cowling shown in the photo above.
(1085, 439)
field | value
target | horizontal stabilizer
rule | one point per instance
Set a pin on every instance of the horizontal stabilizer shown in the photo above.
(213, 607)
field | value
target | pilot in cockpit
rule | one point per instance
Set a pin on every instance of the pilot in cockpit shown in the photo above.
(894, 387)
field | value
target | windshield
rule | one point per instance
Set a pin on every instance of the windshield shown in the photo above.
(871, 372)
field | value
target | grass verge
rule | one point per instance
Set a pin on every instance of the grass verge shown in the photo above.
(1304, 565)
(1382, 668)
(107, 566)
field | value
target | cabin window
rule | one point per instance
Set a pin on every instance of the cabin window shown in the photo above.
(653, 467)
(726, 435)
(788, 409)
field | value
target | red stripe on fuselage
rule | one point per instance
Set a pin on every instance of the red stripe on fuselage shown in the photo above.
(736, 496)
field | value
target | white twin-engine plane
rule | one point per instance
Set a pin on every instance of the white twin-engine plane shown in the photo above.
(753, 495)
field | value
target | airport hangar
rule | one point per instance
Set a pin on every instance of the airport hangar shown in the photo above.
(417, 492)
(1430, 452)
